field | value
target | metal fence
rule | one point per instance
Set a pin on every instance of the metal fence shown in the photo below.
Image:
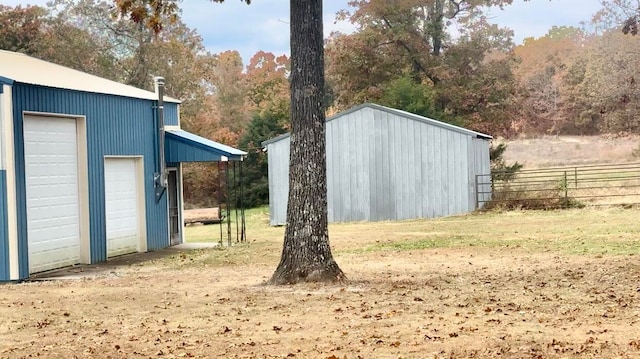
(561, 187)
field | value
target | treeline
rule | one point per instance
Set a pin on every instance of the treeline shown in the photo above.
(441, 59)
(223, 99)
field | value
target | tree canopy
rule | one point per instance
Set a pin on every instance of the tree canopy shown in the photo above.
(438, 58)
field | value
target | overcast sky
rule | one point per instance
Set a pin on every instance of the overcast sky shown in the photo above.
(263, 25)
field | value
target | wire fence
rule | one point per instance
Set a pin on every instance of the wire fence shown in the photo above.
(561, 187)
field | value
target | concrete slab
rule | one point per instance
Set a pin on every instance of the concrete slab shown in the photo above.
(110, 267)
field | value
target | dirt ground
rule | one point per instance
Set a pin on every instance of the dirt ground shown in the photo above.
(464, 301)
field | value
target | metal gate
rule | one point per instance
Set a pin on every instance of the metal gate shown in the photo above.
(560, 187)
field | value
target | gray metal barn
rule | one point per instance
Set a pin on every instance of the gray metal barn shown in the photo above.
(387, 164)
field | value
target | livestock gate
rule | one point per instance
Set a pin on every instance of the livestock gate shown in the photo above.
(561, 187)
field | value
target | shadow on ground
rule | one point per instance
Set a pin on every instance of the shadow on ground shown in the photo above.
(110, 267)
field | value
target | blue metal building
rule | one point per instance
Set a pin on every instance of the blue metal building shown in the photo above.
(87, 171)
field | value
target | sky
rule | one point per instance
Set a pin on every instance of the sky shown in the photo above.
(264, 25)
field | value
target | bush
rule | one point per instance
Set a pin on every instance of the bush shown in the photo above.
(255, 182)
(520, 197)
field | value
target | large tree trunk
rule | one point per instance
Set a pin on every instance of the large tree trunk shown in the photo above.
(306, 255)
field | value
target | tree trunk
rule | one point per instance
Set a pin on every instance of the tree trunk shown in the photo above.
(306, 255)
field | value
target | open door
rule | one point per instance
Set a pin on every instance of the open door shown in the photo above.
(175, 227)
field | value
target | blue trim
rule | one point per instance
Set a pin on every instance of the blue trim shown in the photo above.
(5, 81)
(182, 146)
(4, 230)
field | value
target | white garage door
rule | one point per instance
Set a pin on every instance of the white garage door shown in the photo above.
(121, 201)
(51, 174)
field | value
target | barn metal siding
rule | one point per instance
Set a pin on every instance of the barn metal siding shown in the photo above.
(481, 166)
(278, 172)
(383, 165)
(171, 113)
(177, 152)
(116, 126)
(4, 228)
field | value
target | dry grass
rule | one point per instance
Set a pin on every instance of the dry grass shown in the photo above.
(515, 284)
(550, 151)
(547, 190)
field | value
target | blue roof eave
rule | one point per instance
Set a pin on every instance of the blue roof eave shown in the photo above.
(5, 81)
(203, 144)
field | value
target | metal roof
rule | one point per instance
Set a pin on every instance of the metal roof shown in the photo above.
(17, 67)
(398, 113)
(183, 146)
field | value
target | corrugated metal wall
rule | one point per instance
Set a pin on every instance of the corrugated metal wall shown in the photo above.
(384, 166)
(4, 229)
(278, 168)
(482, 167)
(115, 126)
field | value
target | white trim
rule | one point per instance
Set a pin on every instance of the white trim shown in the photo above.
(83, 178)
(180, 201)
(82, 168)
(142, 207)
(83, 189)
(3, 115)
(10, 166)
(51, 114)
(142, 204)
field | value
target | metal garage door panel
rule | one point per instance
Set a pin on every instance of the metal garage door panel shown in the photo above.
(121, 201)
(51, 174)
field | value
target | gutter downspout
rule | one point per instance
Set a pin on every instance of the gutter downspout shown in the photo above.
(160, 178)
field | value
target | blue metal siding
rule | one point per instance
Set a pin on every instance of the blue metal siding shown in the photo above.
(4, 230)
(182, 146)
(171, 113)
(115, 126)
(178, 152)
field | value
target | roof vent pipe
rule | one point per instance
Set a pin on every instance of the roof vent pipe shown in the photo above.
(161, 176)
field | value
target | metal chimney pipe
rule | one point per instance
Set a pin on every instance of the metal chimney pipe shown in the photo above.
(161, 177)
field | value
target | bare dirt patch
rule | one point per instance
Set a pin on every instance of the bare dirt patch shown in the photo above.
(489, 296)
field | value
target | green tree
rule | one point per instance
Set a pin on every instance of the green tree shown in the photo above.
(469, 74)
(262, 127)
(500, 170)
(405, 94)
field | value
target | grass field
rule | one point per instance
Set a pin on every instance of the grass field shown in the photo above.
(524, 284)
